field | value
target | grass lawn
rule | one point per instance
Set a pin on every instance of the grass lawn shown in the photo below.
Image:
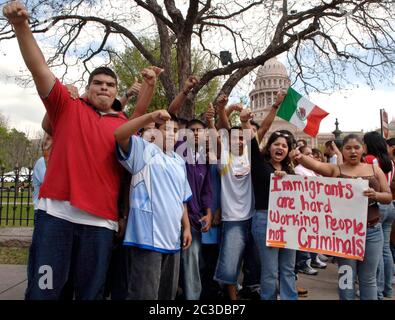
(13, 255)
(17, 217)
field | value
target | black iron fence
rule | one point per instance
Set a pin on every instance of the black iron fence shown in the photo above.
(16, 205)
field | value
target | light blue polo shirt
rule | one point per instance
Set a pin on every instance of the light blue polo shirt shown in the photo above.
(38, 178)
(158, 191)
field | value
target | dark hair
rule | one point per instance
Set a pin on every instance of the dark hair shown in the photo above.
(318, 152)
(288, 136)
(338, 144)
(303, 148)
(302, 140)
(196, 121)
(255, 124)
(182, 121)
(102, 70)
(377, 146)
(172, 118)
(352, 136)
(116, 105)
(391, 142)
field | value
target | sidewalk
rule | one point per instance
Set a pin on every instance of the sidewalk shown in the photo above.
(321, 287)
(13, 282)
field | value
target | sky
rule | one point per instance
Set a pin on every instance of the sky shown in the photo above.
(356, 108)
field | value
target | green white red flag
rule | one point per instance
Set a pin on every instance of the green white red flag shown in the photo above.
(301, 112)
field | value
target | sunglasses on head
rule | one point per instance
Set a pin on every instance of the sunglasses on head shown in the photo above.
(280, 134)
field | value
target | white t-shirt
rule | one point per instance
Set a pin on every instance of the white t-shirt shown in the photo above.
(302, 171)
(64, 210)
(236, 186)
(333, 159)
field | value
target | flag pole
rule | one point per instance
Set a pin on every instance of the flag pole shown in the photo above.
(381, 122)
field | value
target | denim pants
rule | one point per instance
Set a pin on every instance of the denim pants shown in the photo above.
(61, 248)
(366, 270)
(153, 275)
(235, 236)
(275, 262)
(386, 265)
(190, 267)
(251, 265)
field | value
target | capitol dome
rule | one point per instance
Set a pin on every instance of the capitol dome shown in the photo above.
(272, 68)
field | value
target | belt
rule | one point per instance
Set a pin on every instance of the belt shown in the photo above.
(373, 222)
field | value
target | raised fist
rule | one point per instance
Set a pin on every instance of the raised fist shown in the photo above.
(15, 12)
(160, 116)
(222, 100)
(191, 82)
(246, 115)
(210, 113)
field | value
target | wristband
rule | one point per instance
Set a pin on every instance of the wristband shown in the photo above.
(185, 92)
(275, 106)
(126, 95)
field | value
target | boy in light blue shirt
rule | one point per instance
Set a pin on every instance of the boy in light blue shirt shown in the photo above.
(158, 195)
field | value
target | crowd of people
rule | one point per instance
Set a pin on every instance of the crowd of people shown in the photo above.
(157, 207)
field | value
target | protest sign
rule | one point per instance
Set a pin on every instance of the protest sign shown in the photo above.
(317, 214)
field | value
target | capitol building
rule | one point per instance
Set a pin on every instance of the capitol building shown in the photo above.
(271, 77)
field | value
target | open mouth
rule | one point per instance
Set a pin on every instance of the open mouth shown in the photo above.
(279, 153)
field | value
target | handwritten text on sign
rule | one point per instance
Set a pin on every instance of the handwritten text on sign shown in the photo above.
(316, 214)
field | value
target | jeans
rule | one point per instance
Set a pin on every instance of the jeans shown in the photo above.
(275, 262)
(153, 275)
(301, 258)
(386, 265)
(235, 235)
(60, 248)
(190, 267)
(365, 270)
(117, 283)
(211, 289)
(251, 265)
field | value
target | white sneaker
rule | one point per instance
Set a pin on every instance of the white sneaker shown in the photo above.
(317, 263)
(323, 257)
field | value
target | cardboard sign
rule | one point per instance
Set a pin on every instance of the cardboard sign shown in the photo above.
(317, 214)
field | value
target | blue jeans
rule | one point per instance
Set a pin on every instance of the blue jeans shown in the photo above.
(190, 272)
(235, 236)
(251, 265)
(365, 270)
(386, 265)
(275, 263)
(60, 248)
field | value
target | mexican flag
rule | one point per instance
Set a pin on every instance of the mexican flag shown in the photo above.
(301, 112)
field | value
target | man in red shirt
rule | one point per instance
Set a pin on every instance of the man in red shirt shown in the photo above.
(78, 211)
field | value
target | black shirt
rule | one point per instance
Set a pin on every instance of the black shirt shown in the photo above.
(261, 169)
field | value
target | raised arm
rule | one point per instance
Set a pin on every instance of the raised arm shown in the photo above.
(322, 168)
(18, 16)
(267, 122)
(124, 132)
(212, 131)
(232, 108)
(223, 120)
(245, 117)
(147, 91)
(182, 96)
(132, 91)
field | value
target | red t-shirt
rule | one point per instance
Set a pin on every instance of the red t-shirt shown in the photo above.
(83, 167)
